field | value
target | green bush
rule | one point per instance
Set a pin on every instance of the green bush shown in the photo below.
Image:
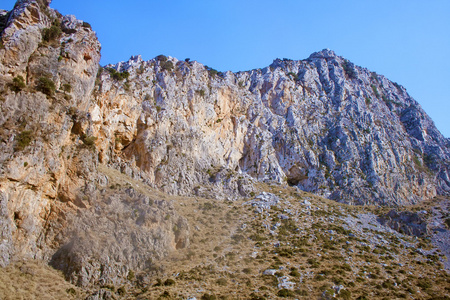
(46, 86)
(345, 294)
(285, 293)
(88, 140)
(208, 297)
(118, 75)
(23, 140)
(348, 69)
(293, 75)
(130, 276)
(294, 273)
(71, 291)
(375, 91)
(161, 58)
(168, 65)
(67, 88)
(212, 72)
(53, 33)
(447, 222)
(18, 84)
(87, 25)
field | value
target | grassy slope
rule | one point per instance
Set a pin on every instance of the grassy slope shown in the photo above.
(231, 246)
(35, 280)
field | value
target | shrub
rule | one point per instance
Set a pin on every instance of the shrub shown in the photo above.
(424, 283)
(130, 275)
(46, 86)
(375, 91)
(222, 281)
(285, 293)
(88, 140)
(87, 25)
(294, 273)
(52, 33)
(161, 58)
(345, 294)
(23, 140)
(71, 291)
(18, 84)
(348, 69)
(67, 88)
(169, 282)
(447, 222)
(293, 75)
(212, 72)
(168, 65)
(121, 291)
(208, 297)
(254, 296)
(118, 75)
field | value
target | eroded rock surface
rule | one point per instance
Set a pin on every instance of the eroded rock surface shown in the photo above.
(321, 124)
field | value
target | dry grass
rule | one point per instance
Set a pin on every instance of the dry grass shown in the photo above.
(35, 280)
(231, 246)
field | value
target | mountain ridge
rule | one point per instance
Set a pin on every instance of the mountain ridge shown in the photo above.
(409, 115)
(106, 172)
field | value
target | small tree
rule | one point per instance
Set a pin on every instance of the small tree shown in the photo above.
(52, 33)
(18, 84)
(46, 85)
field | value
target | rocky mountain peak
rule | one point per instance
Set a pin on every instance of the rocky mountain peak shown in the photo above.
(93, 157)
(323, 54)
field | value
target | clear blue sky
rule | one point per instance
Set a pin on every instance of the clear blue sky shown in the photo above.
(408, 41)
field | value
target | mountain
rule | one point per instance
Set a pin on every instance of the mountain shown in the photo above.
(107, 173)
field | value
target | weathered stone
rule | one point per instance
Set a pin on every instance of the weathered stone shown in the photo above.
(406, 222)
(321, 124)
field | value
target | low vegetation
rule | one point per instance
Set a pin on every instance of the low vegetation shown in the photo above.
(46, 86)
(303, 247)
(118, 76)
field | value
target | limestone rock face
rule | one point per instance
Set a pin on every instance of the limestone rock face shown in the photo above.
(55, 203)
(120, 232)
(322, 124)
(80, 146)
(37, 153)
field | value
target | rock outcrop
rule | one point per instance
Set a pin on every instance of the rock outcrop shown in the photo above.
(52, 189)
(406, 222)
(322, 124)
(67, 128)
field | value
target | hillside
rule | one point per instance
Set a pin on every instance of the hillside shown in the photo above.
(121, 175)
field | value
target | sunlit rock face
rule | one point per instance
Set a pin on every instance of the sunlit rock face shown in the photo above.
(321, 124)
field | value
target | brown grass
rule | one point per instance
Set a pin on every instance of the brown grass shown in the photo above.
(35, 280)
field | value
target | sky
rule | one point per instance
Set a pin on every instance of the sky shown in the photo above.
(408, 41)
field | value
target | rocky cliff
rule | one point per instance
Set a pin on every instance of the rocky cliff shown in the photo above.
(322, 124)
(51, 182)
(67, 127)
